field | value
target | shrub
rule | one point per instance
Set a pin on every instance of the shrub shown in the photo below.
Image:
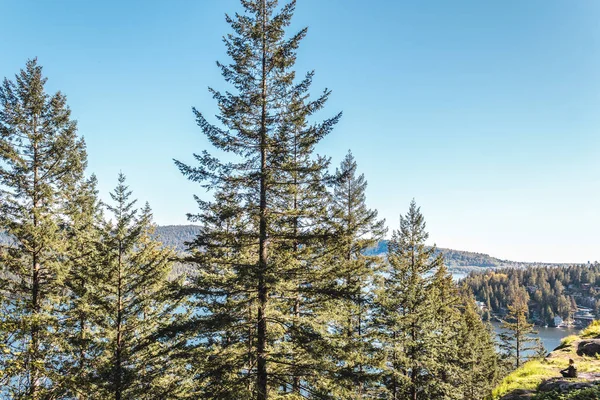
(592, 331)
(566, 341)
(580, 394)
(528, 376)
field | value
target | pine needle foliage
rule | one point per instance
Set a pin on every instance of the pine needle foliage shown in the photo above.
(82, 312)
(258, 290)
(515, 337)
(135, 298)
(405, 308)
(352, 314)
(479, 363)
(423, 322)
(41, 158)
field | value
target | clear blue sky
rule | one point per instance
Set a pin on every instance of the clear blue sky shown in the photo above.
(486, 112)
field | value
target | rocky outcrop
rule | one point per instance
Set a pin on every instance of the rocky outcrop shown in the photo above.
(519, 394)
(562, 385)
(545, 374)
(557, 385)
(588, 347)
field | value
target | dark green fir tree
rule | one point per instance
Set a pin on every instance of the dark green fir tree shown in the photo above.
(516, 337)
(82, 312)
(41, 157)
(254, 301)
(446, 344)
(136, 300)
(416, 310)
(479, 364)
(358, 230)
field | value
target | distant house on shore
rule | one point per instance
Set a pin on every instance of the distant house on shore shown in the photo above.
(583, 317)
(582, 321)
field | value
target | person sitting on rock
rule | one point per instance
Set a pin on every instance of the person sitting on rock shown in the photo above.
(570, 371)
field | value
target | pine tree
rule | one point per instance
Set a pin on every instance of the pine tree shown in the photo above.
(488, 309)
(478, 359)
(540, 351)
(40, 158)
(258, 248)
(411, 312)
(135, 296)
(515, 337)
(83, 224)
(221, 296)
(358, 230)
(5, 339)
(446, 344)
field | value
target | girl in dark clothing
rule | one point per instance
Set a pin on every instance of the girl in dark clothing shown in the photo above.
(570, 371)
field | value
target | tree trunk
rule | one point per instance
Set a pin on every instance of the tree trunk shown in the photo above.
(296, 378)
(118, 352)
(33, 374)
(35, 284)
(261, 375)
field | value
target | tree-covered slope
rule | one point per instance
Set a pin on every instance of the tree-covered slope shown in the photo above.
(552, 291)
(455, 258)
(176, 235)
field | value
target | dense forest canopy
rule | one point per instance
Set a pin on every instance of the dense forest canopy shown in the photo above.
(550, 291)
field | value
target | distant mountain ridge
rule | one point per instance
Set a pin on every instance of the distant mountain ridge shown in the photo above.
(176, 236)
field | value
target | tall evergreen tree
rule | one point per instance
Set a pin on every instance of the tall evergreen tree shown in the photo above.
(40, 158)
(446, 346)
(515, 338)
(135, 295)
(414, 303)
(478, 360)
(358, 229)
(221, 296)
(82, 311)
(253, 250)
(299, 196)
(462, 361)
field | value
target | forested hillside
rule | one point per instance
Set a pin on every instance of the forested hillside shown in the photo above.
(176, 235)
(549, 291)
(454, 258)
